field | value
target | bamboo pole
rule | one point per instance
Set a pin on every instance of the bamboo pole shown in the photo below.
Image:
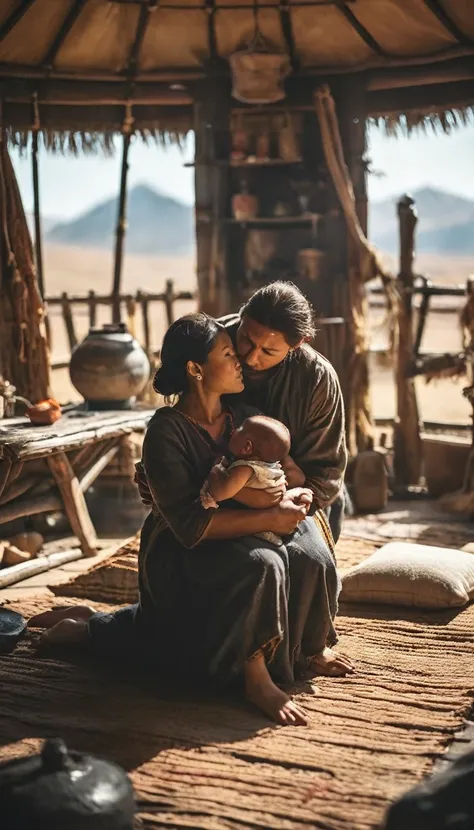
(36, 201)
(407, 440)
(10, 576)
(122, 219)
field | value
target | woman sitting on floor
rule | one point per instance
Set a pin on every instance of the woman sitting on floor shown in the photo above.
(216, 602)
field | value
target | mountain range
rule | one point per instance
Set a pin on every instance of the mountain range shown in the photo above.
(156, 224)
(159, 224)
(445, 223)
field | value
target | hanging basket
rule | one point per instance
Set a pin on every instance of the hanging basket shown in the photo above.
(258, 73)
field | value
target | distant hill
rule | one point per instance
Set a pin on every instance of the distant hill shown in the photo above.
(445, 223)
(156, 224)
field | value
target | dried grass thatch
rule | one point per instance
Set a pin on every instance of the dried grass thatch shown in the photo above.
(81, 142)
(444, 121)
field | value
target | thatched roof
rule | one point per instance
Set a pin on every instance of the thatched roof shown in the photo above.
(98, 53)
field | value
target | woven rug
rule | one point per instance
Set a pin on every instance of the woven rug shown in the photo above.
(114, 581)
(217, 765)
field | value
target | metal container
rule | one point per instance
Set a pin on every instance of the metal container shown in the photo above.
(109, 368)
(60, 789)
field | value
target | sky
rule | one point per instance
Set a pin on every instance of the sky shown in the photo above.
(69, 185)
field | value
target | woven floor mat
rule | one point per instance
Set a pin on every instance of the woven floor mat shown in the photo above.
(218, 765)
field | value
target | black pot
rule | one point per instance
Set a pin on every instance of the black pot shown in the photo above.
(109, 368)
(61, 790)
(12, 628)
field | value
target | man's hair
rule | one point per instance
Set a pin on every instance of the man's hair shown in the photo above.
(281, 306)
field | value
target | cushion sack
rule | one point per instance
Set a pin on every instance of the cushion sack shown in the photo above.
(412, 575)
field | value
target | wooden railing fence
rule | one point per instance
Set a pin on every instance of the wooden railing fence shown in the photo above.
(424, 292)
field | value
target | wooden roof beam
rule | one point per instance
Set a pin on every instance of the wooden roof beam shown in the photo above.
(142, 25)
(361, 30)
(287, 29)
(211, 30)
(63, 32)
(14, 18)
(439, 12)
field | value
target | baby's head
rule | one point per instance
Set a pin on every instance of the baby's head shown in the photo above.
(261, 438)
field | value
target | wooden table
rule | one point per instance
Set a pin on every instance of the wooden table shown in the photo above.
(47, 468)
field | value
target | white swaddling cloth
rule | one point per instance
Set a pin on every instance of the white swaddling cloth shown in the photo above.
(264, 475)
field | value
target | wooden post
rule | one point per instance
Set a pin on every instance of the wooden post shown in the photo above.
(212, 136)
(92, 303)
(74, 502)
(350, 292)
(122, 218)
(37, 215)
(407, 441)
(169, 301)
(68, 321)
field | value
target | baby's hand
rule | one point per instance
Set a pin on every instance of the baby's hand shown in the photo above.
(277, 490)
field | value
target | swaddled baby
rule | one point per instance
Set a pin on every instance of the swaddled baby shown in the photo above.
(256, 450)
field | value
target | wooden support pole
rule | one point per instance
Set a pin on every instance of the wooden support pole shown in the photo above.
(407, 441)
(97, 468)
(37, 213)
(213, 144)
(68, 321)
(121, 229)
(92, 302)
(144, 300)
(422, 317)
(169, 302)
(74, 502)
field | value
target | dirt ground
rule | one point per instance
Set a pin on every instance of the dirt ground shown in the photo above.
(79, 270)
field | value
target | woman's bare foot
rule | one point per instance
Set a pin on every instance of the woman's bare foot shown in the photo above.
(65, 631)
(331, 663)
(49, 618)
(272, 701)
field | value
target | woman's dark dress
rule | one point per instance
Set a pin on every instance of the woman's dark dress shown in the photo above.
(207, 606)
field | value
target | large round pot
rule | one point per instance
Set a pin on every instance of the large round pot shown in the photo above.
(109, 368)
(60, 789)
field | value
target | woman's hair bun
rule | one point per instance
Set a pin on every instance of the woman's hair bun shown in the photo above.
(189, 339)
(168, 381)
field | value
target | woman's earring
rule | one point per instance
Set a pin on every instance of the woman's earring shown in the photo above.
(198, 377)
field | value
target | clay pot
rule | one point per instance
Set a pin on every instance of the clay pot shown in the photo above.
(262, 151)
(60, 789)
(287, 142)
(30, 542)
(244, 206)
(109, 368)
(310, 262)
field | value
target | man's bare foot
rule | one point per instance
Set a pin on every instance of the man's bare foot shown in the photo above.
(49, 618)
(272, 701)
(65, 631)
(331, 663)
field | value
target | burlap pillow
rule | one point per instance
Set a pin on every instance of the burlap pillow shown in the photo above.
(415, 575)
